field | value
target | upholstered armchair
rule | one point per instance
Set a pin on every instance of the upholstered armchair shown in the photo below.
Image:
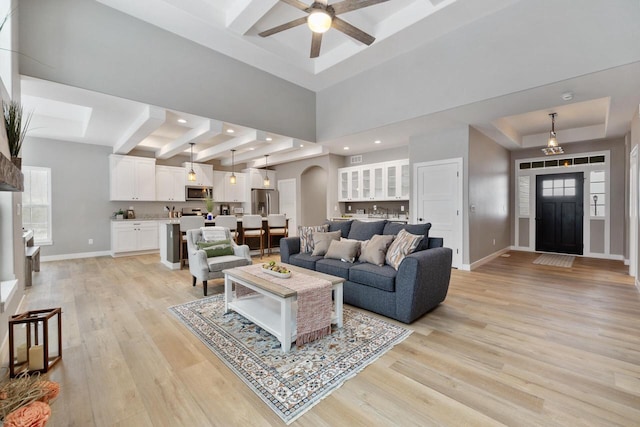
(206, 268)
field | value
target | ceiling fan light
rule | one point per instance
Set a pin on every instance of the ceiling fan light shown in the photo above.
(319, 21)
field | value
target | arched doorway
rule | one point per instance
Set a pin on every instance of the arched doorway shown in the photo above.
(313, 196)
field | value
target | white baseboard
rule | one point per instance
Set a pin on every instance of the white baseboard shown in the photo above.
(626, 261)
(587, 255)
(122, 254)
(74, 256)
(170, 265)
(486, 259)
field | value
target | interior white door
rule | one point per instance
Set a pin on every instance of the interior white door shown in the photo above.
(633, 213)
(287, 190)
(438, 196)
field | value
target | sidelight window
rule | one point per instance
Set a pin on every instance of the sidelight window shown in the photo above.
(597, 199)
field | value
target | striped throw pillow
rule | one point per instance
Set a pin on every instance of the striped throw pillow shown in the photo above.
(306, 236)
(404, 244)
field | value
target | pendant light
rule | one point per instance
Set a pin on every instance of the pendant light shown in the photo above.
(192, 174)
(232, 178)
(266, 181)
(552, 144)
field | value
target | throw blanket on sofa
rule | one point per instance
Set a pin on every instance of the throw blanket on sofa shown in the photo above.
(314, 302)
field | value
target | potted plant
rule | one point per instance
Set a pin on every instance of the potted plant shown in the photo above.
(119, 214)
(16, 125)
(208, 203)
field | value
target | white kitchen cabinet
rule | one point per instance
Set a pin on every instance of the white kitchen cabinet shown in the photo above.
(373, 183)
(134, 236)
(350, 184)
(398, 180)
(204, 174)
(256, 178)
(224, 191)
(132, 178)
(170, 184)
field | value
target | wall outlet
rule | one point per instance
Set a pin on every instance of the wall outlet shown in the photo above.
(91, 241)
(494, 242)
(402, 208)
(335, 208)
(349, 208)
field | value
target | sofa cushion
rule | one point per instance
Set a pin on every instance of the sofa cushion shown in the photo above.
(306, 236)
(380, 277)
(322, 240)
(375, 250)
(304, 260)
(217, 248)
(364, 230)
(344, 250)
(404, 244)
(334, 267)
(342, 226)
(419, 229)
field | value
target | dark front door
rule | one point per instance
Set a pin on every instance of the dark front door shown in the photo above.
(559, 212)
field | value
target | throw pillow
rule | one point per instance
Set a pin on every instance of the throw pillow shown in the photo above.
(213, 234)
(360, 243)
(219, 248)
(322, 240)
(306, 236)
(376, 249)
(404, 244)
(345, 250)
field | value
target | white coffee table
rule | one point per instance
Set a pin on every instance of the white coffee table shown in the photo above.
(273, 306)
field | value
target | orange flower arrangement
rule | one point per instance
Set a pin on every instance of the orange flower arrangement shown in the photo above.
(24, 401)
(34, 414)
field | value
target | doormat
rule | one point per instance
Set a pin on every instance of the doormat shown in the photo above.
(555, 260)
(292, 383)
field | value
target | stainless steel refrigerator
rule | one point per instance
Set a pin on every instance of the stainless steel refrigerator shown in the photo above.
(264, 202)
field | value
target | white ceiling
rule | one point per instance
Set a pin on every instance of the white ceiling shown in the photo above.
(602, 103)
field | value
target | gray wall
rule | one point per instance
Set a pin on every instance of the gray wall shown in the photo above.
(98, 48)
(489, 195)
(326, 188)
(618, 184)
(314, 195)
(391, 154)
(443, 75)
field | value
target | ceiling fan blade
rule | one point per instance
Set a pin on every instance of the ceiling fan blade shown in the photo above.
(291, 24)
(349, 5)
(352, 31)
(316, 40)
(297, 4)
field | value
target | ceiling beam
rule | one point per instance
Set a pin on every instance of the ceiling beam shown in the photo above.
(201, 133)
(143, 126)
(224, 148)
(271, 149)
(244, 14)
(314, 150)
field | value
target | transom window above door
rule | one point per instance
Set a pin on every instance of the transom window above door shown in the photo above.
(558, 187)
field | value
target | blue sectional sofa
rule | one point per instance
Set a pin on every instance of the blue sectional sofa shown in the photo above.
(418, 285)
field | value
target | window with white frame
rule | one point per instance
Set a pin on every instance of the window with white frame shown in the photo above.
(523, 195)
(36, 203)
(597, 199)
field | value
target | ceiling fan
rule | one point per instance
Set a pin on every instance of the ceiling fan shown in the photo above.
(322, 16)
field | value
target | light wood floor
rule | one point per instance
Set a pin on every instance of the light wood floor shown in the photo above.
(514, 344)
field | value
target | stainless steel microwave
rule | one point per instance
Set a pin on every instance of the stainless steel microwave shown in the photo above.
(197, 192)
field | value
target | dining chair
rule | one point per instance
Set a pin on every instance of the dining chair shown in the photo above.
(187, 223)
(230, 222)
(276, 226)
(252, 228)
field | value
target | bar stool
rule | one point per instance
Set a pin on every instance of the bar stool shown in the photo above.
(276, 226)
(252, 228)
(187, 223)
(230, 222)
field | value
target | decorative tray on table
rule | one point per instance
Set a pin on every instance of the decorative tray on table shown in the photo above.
(276, 270)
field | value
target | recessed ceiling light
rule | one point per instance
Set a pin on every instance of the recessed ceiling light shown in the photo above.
(269, 138)
(301, 145)
(346, 148)
(182, 121)
(567, 96)
(251, 149)
(377, 141)
(230, 131)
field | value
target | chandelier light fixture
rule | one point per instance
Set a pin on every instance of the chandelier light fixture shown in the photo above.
(552, 144)
(266, 181)
(232, 178)
(192, 175)
(319, 21)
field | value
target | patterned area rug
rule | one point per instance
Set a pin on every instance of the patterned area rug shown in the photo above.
(555, 260)
(290, 384)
